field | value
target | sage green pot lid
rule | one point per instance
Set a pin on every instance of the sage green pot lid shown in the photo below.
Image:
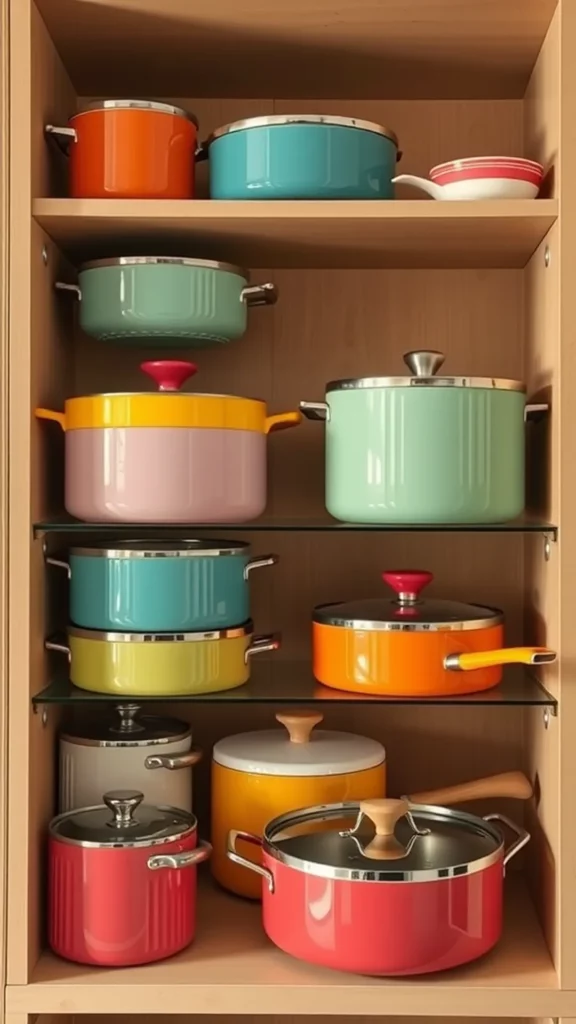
(407, 612)
(423, 365)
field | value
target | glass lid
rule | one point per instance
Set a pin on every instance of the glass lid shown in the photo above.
(127, 728)
(383, 840)
(407, 612)
(423, 366)
(299, 751)
(164, 549)
(122, 820)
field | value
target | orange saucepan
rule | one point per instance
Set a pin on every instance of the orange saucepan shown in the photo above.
(410, 647)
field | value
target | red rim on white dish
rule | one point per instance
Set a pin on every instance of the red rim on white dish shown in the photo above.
(516, 161)
(471, 168)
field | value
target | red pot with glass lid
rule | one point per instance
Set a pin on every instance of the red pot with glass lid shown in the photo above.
(122, 881)
(406, 887)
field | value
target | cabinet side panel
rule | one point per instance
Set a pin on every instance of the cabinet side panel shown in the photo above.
(542, 110)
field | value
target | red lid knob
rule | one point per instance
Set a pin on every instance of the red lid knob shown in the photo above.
(169, 374)
(407, 582)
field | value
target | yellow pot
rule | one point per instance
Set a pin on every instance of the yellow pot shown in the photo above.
(258, 775)
(161, 664)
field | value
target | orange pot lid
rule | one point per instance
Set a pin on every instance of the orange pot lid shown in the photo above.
(407, 612)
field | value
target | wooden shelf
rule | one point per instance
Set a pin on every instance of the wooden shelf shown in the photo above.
(232, 967)
(411, 233)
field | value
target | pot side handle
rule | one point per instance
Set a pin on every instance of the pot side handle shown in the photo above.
(315, 411)
(60, 564)
(282, 421)
(523, 836)
(509, 785)
(505, 656)
(75, 289)
(535, 410)
(243, 862)
(61, 136)
(51, 414)
(176, 861)
(259, 563)
(261, 644)
(51, 645)
(173, 761)
(259, 294)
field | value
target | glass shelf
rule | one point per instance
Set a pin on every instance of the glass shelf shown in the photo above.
(291, 682)
(64, 524)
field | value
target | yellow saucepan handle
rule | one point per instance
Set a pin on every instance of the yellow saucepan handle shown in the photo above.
(282, 421)
(50, 414)
(506, 656)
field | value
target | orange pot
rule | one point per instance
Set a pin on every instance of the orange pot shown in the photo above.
(130, 149)
(409, 647)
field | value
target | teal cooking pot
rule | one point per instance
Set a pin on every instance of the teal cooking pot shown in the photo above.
(424, 449)
(302, 156)
(161, 587)
(167, 299)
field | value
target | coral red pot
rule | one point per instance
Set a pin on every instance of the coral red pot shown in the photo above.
(130, 149)
(406, 889)
(122, 889)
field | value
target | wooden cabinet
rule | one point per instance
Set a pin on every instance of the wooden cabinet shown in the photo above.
(489, 284)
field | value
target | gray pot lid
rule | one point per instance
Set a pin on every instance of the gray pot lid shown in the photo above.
(424, 843)
(127, 728)
(122, 820)
(407, 612)
(423, 366)
(163, 549)
(151, 105)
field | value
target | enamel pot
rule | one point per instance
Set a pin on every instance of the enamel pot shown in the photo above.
(170, 300)
(168, 457)
(141, 752)
(129, 149)
(302, 156)
(122, 881)
(258, 775)
(161, 586)
(409, 646)
(162, 664)
(405, 887)
(424, 449)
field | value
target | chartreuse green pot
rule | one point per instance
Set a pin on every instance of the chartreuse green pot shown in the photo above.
(302, 156)
(157, 586)
(179, 301)
(424, 449)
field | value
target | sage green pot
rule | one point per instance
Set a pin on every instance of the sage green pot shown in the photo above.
(424, 449)
(177, 301)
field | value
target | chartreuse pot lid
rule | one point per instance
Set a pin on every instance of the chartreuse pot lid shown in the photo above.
(168, 407)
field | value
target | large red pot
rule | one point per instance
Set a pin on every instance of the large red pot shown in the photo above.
(122, 889)
(409, 888)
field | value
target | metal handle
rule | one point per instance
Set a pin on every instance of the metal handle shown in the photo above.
(123, 803)
(523, 835)
(243, 862)
(51, 645)
(535, 410)
(259, 563)
(260, 644)
(176, 861)
(172, 761)
(315, 411)
(61, 136)
(63, 286)
(60, 564)
(259, 294)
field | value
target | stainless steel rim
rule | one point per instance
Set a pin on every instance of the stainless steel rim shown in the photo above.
(325, 619)
(138, 844)
(217, 549)
(153, 105)
(182, 261)
(485, 383)
(80, 741)
(319, 813)
(150, 638)
(181, 395)
(285, 119)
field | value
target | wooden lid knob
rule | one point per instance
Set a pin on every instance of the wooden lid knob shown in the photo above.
(384, 814)
(299, 724)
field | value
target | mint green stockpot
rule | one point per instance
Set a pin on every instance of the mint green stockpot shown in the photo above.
(424, 449)
(176, 300)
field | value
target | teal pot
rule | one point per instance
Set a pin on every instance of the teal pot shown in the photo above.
(173, 300)
(424, 449)
(302, 156)
(156, 586)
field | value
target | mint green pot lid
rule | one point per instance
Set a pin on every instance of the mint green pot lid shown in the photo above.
(423, 365)
(181, 261)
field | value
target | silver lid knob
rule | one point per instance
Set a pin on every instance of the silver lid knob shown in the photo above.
(127, 723)
(425, 363)
(123, 803)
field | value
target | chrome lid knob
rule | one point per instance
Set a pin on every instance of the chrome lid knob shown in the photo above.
(123, 803)
(425, 363)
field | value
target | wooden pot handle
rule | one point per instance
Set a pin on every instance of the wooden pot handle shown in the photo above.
(509, 784)
(299, 724)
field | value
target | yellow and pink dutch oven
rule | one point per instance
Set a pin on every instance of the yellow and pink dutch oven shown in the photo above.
(167, 457)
